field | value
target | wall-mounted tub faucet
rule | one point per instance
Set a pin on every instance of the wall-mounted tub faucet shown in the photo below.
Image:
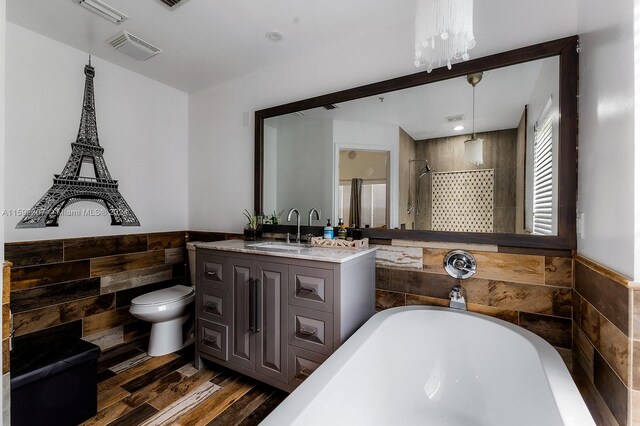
(457, 298)
(297, 222)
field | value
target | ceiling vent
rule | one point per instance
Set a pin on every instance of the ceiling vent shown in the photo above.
(454, 118)
(298, 113)
(330, 107)
(133, 46)
(173, 3)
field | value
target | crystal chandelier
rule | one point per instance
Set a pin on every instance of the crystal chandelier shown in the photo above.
(473, 146)
(444, 32)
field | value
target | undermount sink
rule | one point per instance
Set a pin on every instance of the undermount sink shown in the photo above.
(278, 246)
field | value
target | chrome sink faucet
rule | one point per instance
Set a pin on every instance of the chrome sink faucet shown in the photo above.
(297, 222)
(311, 212)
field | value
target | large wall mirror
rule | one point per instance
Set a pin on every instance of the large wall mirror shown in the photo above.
(482, 153)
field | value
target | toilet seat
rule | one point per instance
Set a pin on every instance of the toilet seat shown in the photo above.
(164, 296)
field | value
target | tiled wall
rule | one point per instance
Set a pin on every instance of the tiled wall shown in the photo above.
(84, 286)
(533, 291)
(604, 337)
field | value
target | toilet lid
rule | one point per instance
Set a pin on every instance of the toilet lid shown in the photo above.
(166, 295)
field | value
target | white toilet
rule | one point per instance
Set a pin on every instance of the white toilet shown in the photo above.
(167, 311)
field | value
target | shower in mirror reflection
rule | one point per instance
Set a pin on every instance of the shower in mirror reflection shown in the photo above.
(423, 172)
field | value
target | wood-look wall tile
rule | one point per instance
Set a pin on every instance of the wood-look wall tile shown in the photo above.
(33, 276)
(636, 314)
(519, 297)
(503, 314)
(136, 330)
(38, 319)
(416, 299)
(558, 271)
(136, 278)
(583, 350)
(388, 299)
(106, 339)
(6, 282)
(614, 347)
(517, 268)
(576, 302)
(106, 320)
(102, 266)
(608, 296)
(399, 257)
(636, 365)
(554, 330)
(86, 248)
(124, 297)
(174, 255)
(611, 388)
(415, 282)
(6, 321)
(444, 245)
(38, 297)
(73, 328)
(33, 253)
(166, 240)
(590, 322)
(380, 241)
(6, 356)
(567, 357)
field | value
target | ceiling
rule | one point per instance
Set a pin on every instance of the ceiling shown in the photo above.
(206, 42)
(500, 100)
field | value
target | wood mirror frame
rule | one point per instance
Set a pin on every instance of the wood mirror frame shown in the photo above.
(565, 49)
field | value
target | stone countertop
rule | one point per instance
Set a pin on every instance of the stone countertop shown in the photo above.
(294, 251)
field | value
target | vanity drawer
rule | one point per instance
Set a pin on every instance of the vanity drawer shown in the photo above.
(312, 330)
(311, 288)
(210, 270)
(213, 304)
(302, 363)
(212, 339)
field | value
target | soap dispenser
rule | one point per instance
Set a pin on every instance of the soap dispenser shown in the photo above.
(328, 231)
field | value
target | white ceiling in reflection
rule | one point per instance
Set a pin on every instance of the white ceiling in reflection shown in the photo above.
(422, 111)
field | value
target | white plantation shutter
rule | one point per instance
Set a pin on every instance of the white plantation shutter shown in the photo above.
(543, 185)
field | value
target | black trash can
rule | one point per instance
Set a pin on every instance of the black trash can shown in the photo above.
(53, 382)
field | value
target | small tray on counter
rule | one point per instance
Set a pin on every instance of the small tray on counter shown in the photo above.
(342, 244)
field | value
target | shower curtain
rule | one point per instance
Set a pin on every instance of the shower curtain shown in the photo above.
(355, 209)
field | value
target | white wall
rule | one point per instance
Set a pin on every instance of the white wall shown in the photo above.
(142, 124)
(606, 136)
(373, 136)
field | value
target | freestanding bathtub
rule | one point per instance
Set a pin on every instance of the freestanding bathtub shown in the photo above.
(436, 366)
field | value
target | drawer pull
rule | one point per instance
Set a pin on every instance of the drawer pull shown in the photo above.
(208, 340)
(307, 332)
(308, 290)
(212, 273)
(211, 305)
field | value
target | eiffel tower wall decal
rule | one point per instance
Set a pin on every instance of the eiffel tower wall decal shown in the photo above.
(70, 187)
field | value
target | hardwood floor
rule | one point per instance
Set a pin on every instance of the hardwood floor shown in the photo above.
(136, 389)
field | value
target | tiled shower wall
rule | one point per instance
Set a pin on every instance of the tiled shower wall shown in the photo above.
(532, 291)
(84, 286)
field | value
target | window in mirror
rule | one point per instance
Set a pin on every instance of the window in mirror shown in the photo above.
(544, 188)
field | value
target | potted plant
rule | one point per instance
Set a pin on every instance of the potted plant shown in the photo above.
(274, 217)
(253, 228)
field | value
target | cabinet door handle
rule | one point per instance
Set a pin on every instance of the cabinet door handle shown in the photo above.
(307, 331)
(252, 305)
(208, 340)
(308, 290)
(258, 303)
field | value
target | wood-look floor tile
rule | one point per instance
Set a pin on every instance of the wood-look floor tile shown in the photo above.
(154, 389)
(122, 353)
(155, 374)
(174, 412)
(243, 407)
(184, 387)
(104, 375)
(264, 409)
(106, 339)
(111, 396)
(136, 416)
(213, 406)
(130, 362)
(187, 370)
(136, 371)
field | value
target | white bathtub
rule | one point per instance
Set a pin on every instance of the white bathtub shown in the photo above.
(435, 366)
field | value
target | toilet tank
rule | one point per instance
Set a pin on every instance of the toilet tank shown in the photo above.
(191, 254)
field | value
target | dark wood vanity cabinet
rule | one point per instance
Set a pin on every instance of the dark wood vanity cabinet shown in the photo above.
(277, 319)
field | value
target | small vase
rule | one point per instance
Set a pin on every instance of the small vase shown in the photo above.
(252, 234)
